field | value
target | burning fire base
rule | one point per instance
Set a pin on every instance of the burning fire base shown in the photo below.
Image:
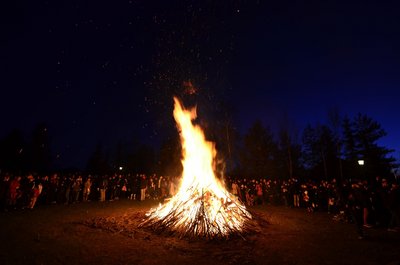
(202, 207)
(203, 214)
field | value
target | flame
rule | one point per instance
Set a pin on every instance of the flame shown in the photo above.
(202, 206)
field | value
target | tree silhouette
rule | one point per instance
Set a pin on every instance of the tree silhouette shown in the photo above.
(319, 152)
(97, 163)
(142, 160)
(335, 123)
(289, 154)
(361, 137)
(40, 152)
(170, 155)
(258, 152)
(13, 151)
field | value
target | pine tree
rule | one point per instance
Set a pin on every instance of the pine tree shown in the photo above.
(289, 152)
(258, 153)
(319, 152)
(361, 136)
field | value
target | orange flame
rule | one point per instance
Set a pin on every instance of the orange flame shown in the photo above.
(202, 204)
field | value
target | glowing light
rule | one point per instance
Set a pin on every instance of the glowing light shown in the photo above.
(202, 206)
(361, 162)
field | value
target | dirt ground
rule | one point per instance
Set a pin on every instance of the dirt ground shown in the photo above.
(106, 233)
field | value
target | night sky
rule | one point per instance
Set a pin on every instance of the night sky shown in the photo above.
(97, 71)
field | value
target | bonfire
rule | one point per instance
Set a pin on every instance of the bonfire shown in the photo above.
(202, 207)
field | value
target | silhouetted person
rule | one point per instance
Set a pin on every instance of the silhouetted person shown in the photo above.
(356, 206)
(394, 207)
(4, 187)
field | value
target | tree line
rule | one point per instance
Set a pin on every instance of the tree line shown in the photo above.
(17, 155)
(319, 151)
(343, 149)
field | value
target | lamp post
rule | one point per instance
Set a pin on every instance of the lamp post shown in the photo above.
(361, 164)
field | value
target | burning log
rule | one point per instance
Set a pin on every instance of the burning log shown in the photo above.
(202, 207)
(197, 217)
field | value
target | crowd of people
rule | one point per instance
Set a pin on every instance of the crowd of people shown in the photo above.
(373, 203)
(367, 204)
(24, 192)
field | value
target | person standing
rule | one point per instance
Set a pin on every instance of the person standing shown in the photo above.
(4, 187)
(143, 187)
(394, 208)
(296, 193)
(171, 187)
(76, 188)
(36, 191)
(103, 186)
(259, 193)
(13, 191)
(356, 207)
(86, 188)
(235, 189)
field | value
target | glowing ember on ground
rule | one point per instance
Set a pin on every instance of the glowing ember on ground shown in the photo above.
(201, 207)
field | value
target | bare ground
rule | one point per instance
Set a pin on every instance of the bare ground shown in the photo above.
(107, 233)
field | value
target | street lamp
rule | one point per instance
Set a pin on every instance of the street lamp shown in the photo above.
(120, 168)
(361, 164)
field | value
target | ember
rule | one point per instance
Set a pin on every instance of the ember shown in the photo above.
(202, 207)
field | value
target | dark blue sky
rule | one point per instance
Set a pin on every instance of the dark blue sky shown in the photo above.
(97, 71)
(307, 59)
